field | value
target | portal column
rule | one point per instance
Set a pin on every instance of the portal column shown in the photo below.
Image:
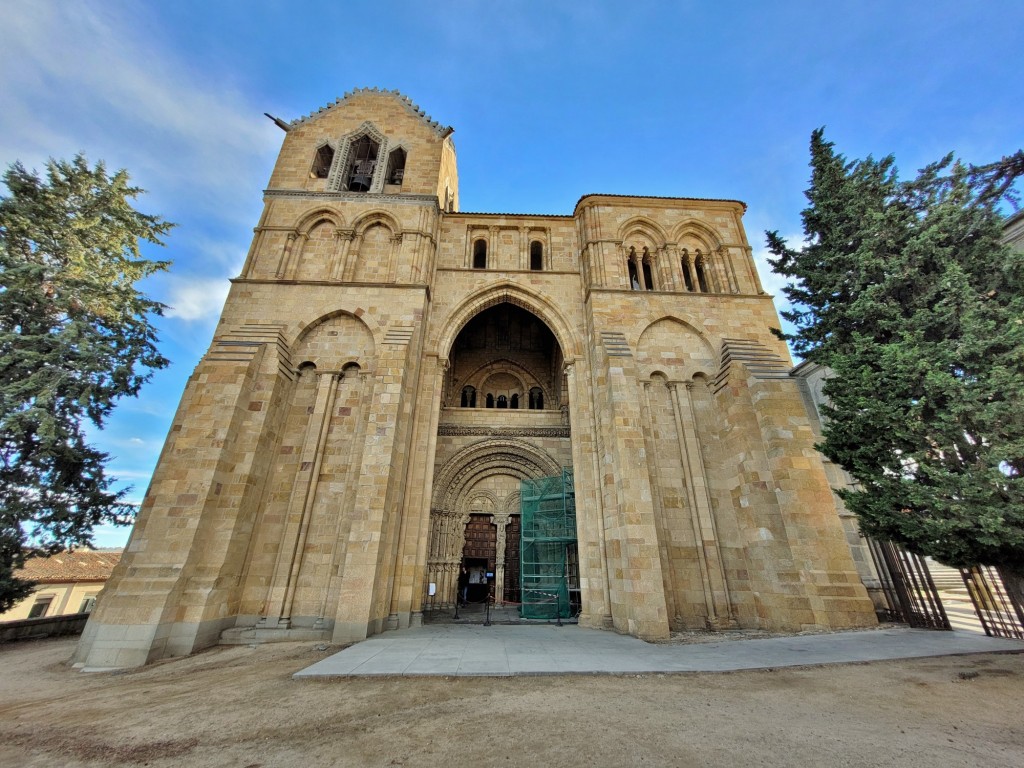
(501, 522)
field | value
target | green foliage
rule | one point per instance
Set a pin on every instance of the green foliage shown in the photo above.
(75, 335)
(904, 290)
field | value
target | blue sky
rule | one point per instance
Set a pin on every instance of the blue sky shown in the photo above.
(550, 101)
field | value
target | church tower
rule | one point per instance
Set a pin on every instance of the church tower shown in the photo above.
(388, 371)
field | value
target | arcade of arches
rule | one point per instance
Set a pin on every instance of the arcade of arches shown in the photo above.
(388, 369)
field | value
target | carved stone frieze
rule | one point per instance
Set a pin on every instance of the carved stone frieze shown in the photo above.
(454, 430)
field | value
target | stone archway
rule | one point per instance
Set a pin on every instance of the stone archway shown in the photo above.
(479, 483)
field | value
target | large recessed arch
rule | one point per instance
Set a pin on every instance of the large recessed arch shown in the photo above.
(675, 348)
(359, 349)
(507, 292)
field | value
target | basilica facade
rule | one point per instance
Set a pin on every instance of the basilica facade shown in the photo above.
(389, 369)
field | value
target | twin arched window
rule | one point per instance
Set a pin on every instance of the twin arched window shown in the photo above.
(641, 276)
(695, 272)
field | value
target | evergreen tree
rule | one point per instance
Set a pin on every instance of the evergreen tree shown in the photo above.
(75, 335)
(904, 290)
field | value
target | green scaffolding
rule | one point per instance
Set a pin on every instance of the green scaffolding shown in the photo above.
(547, 565)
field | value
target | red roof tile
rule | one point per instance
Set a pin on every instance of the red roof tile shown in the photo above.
(80, 565)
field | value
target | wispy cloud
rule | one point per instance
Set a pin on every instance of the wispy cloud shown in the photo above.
(196, 298)
(91, 77)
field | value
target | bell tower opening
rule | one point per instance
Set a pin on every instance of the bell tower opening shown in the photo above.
(362, 163)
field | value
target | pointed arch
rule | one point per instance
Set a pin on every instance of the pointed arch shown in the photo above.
(676, 348)
(334, 342)
(502, 292)
(377, 216)
(344, 165)
(644, 226)
(700, 231)
(310, 219)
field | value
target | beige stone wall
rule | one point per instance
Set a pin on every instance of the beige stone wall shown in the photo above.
(320, 470)
(64, 599)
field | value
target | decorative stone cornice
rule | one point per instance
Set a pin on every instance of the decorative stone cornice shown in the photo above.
(455, 430)
(354, 197)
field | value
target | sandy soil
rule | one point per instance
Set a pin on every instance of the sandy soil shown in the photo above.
(238, 706)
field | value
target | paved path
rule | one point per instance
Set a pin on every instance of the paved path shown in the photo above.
(477, 651)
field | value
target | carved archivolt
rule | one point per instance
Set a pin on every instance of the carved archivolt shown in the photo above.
(514, 457)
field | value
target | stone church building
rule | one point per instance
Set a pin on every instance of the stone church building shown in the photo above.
(388, 369)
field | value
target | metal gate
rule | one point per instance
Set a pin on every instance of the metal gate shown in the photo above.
(1000, 615)
(908, 587)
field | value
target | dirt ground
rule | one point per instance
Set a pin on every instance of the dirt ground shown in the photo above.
(239, 707)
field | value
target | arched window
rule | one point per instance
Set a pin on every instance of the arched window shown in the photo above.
(648, 277)
(490, 400)
(699, 267)
(513, 401)
(687, 277)
(396, 167)
(322, 162)
(362, 162)
(480, 254)
(469, 397)
(634, 276)
(536, 255)
(502, 401)
(536, 399)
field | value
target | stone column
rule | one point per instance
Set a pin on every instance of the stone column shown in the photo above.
(282, 591)
(351, 258)
(339, 260)
(691, 270)
(716, 591)
(500, 521)
(727, 268)
(286, 255)
(417, 516)
(664, 539)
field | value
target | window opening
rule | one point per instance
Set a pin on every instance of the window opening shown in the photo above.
(536, 399)
(322, 162)
(480, 254)
(40, 607)
(469, 397)
(362, 162)
(648, 277)
(87, 604)
(513, 401)
(536, 256)
(502, 401)
(490, 400)
(634, 279)
(396, 167)
(687, 277)
(702, 279)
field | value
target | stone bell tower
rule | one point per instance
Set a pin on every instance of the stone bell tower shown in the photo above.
(276, 502)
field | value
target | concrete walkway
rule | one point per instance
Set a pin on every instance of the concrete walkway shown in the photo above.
(477, 651)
